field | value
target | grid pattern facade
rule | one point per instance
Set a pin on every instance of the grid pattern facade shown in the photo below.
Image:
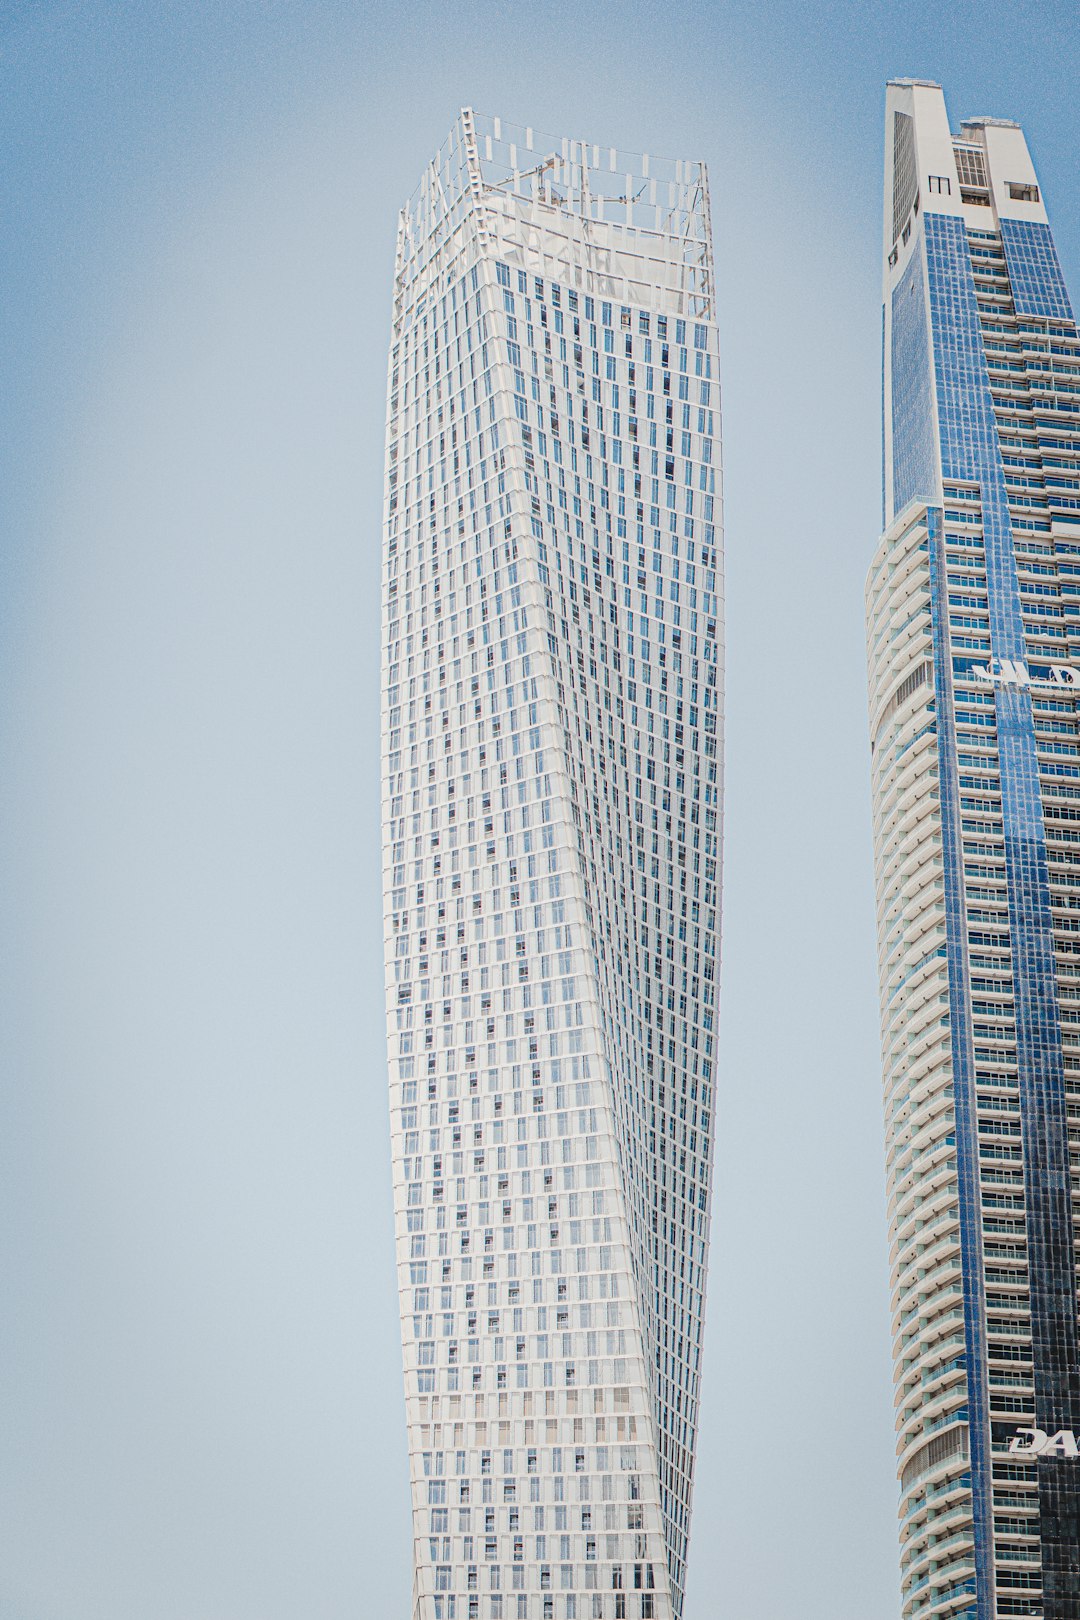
(976, 782)
(914, 452)
(1038, 286)
(552, 702)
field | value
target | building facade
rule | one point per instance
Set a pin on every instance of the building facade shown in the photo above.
(973, 614)
(552, 701)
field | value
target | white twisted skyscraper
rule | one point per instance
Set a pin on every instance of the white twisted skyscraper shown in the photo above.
(552, 688)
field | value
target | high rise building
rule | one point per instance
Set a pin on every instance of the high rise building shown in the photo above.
(973, 608)
(552, 699)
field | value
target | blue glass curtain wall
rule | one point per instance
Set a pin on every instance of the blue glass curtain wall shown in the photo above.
(970, 451)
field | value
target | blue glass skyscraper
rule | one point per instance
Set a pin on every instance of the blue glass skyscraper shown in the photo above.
(973, 615)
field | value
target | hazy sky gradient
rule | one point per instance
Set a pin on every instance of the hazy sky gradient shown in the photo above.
(202, 1413)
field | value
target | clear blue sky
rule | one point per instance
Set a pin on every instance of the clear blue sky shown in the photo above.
(202, 1416)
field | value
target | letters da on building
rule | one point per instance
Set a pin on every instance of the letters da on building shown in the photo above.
(1009, 672)
(1037, 1443)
